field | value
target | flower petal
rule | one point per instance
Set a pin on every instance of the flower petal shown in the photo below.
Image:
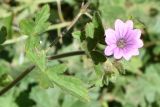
(136, 43)
(134, 52)
(137, 33)
(109, 50)
(110, 36)
(120, 28)
(129, 24)
(139, 43)
(133, 34)
(118, 53)
(126, 54)
(127, 57)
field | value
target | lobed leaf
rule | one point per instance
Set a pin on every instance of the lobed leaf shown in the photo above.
(3, 34)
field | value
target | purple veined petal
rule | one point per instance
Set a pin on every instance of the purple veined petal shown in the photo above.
(120, 28)
(126, 55)
(131, 51)
(129, 24)
(137, 33)
(110, 36)
(109, 50)
(135, 52)
(139, 43)
(133, 34)
(135, 43)
(118, 53)
(130, 36)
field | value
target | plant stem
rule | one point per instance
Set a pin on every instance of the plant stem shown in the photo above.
(66, 55)
(58, 26)
(24, 37)
(81, 12)
(29, 69)
(151, 43)
(60, 10)
(14, 82)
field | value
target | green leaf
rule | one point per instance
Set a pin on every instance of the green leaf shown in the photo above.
(45, 98)
(27, 27)
(38, 58)
(69, 84)
(5, 79)
(41, 18)
(99, 73)
(89, 30)
(99, 70)
(148, 86)
(99, 30)
(97, 57)
(119, 67)
(72, 85)
(8, 100)
(7, 21)
(89, 44)
(111, 72)
(83, 104)
(42, 78)
(77, 34)
(36, 55)
(32, 28)
(137, 23)
(156, 50)
(111, 10)
(133, 65)
(3, 34)
(41, 27)
(58, 69)
(43, 15)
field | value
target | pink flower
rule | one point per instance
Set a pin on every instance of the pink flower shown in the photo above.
(124, 41)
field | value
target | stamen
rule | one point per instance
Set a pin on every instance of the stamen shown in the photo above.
(121, 43)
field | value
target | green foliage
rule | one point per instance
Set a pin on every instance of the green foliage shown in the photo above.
(7, 22)
(133, 65)
(89, 30)
(37, 56)
(31, 28)
(76, 34)
(150, 80)
(27, 26)
(97, 57)
(8, 101)
(68, 83)
(40, 20)
(91, 80)
(5, 78)
(3, 34)
(45, 98)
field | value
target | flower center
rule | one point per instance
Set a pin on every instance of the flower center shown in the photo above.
(121, 43)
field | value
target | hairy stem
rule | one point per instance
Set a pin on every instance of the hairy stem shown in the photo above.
(66, 55)
(24, 37)
(19, 78)
(60, 10)
(30, 68)
(151, 43)
(81, 12)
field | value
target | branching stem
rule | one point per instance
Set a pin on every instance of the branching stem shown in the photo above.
(30, 68)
